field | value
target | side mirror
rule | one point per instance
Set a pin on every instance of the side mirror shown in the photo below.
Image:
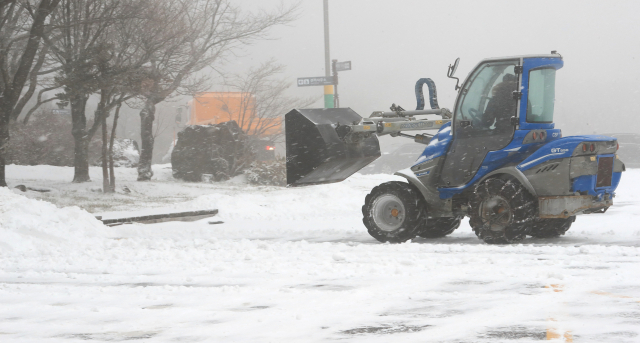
(453, 68)
(452, 71)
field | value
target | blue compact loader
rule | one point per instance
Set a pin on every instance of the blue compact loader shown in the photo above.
(497, 158)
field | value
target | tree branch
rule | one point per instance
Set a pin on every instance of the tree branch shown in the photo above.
(39, 103)
(33, 83)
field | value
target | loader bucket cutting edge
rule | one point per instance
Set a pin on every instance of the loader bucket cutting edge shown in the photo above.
(315, 153)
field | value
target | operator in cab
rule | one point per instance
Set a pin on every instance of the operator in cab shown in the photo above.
(501, 106)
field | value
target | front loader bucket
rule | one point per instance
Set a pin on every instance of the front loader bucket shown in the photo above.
(315, 153)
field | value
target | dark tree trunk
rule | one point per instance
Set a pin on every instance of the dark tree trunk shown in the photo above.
(112, 176)
(12, 85)
(81, 161)
(6, 104)
(147, 115)
(105, 153)
(81, 139)
(3, 182)
(4, 143)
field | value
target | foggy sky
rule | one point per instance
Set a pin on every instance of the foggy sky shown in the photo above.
(394, 43)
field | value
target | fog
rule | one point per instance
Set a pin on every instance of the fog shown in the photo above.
(394, 43)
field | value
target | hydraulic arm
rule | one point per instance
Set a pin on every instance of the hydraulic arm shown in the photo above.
(328, 145)
(394, 123)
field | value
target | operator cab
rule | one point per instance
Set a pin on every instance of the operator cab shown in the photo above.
(499, 96)
(486, 102)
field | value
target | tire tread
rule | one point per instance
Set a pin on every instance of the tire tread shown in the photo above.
(415, 212)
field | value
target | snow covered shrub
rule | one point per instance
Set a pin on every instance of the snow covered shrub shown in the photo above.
(221, 150)
(220, 168)
(45, 139)
(272, 173)
(125, 154)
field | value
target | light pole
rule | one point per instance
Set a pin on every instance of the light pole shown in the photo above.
(328, 90)
(336, 99)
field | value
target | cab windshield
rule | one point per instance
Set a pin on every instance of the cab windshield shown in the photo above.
(541, 95)
(487, 102)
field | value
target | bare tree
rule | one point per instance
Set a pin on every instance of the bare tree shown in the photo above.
(265, 100)
(111, 173)
(22, 26)
(263, 103)
(76, 46)
(99, 46)
(121, 69)
(210, 30)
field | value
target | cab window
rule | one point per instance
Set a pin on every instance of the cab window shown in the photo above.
(541, 96)
(486, 103)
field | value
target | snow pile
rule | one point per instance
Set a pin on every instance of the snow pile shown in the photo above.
(28, 225)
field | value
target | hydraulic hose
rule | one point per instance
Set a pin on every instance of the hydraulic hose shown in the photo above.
(433, 95)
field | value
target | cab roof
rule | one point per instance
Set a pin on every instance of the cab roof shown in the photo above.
(521, 57)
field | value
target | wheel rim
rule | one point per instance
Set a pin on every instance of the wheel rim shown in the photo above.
(496, 213)
(388, 212)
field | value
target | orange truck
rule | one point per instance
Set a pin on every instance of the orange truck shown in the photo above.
(218, 107)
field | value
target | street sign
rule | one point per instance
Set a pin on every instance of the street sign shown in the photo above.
(342, 66)
(316, 81)
(62, 111)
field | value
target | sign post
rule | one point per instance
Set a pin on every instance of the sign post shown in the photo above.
(316, 81)
(330, 83)
(336, 101)
(326, 81)
(336, 67)
(328, 89)
(343, 66)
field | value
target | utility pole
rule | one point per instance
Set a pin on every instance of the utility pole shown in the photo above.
(329, 81)
(328, 90)
(336, 98)
(336, 67)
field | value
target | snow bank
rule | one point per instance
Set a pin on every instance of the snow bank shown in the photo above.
(34, 226)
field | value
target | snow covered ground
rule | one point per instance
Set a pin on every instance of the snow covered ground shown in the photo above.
(296, 265)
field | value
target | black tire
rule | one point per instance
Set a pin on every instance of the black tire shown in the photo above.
(551, 228)
(502, 211)
(394, 212)
(439, 227)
